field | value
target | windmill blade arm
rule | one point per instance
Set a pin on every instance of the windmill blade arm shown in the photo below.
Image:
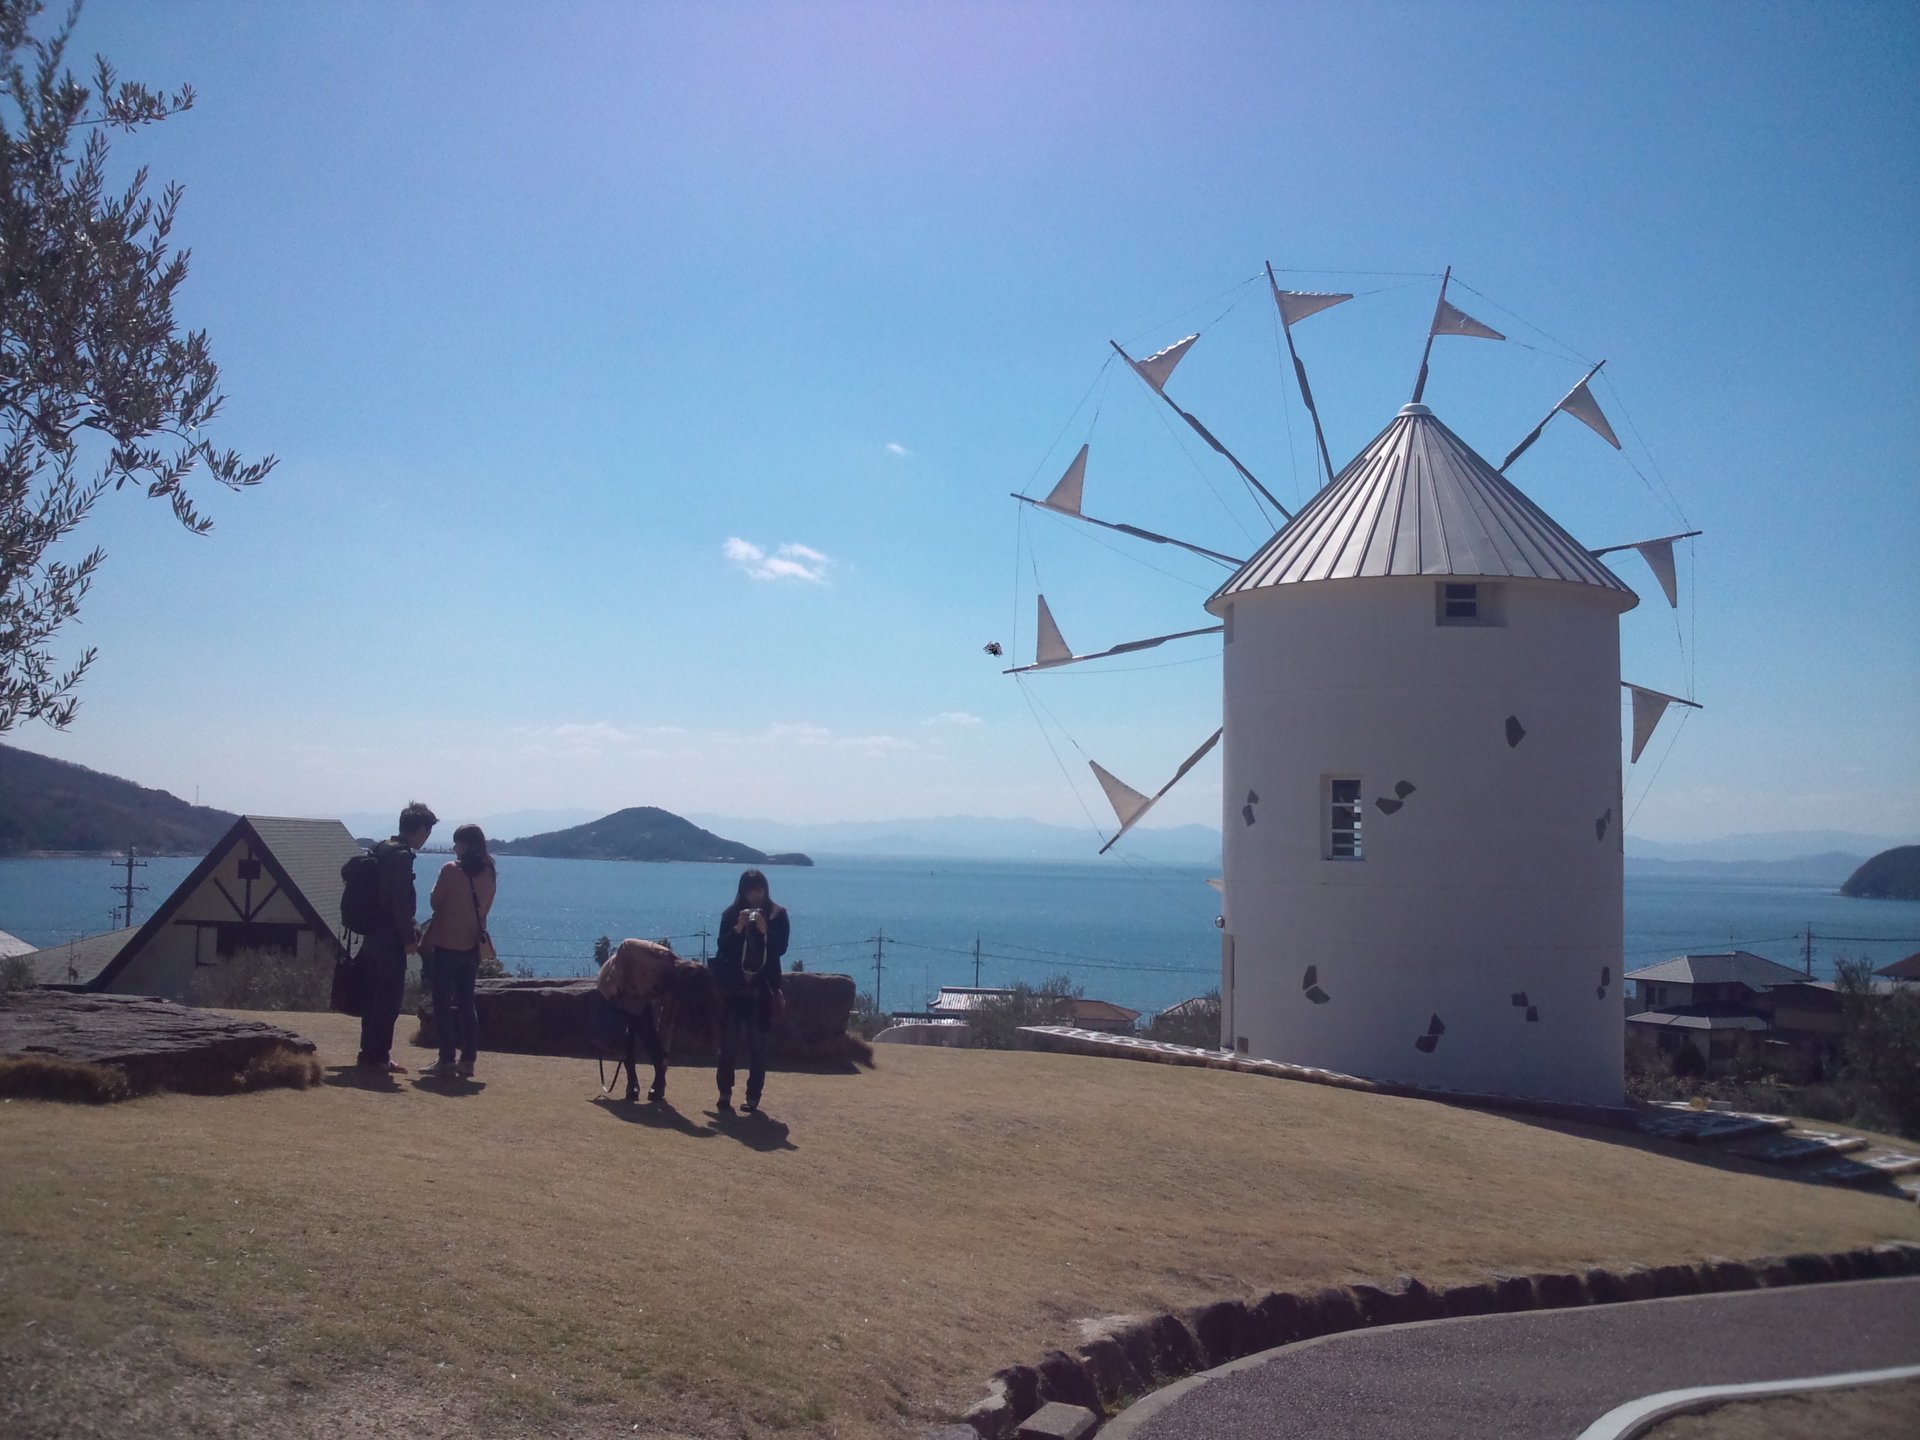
(1126, 649)
(1134, 530)
(1635, 544)
(1192, 760)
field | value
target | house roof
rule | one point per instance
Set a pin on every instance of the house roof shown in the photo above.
(967, 997)
(310, 853)
(11, 945)
(1198, 1005)
(1419, 501)
(1907, 969)
(303, 857)
(77, 963)
(1756, 972)
(1102, 1010)
(1668, 1020)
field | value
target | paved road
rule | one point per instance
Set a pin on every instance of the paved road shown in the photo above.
(1543, 1375)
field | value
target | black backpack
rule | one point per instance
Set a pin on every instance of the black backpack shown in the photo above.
(361, 910)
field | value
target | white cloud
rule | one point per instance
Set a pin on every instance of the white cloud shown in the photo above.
(894, 447)
(953, 717)
(787, 562)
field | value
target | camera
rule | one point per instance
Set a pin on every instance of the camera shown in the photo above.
(751, 916)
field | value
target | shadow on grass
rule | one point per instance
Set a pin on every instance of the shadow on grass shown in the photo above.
(655, 1115)
(757, 1131)
(352, 1077)
(1708, 1153)
(448, 1085)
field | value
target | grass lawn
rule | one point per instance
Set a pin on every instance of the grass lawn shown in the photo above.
(1872, 1412)
(527, 1259)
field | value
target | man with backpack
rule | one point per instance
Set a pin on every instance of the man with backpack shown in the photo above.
(391, 936)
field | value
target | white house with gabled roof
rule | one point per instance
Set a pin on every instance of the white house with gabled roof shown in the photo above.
(270, 887)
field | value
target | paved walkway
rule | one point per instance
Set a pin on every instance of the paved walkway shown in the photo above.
(1541, 1375)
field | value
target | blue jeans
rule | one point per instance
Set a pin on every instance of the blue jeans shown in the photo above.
(455, 1017)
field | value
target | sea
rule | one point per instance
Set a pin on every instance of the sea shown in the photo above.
(1140, 935)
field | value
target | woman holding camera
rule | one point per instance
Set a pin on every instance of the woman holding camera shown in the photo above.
(746, 974)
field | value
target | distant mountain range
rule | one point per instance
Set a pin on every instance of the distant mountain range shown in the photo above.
(642, 832)
(54, 805)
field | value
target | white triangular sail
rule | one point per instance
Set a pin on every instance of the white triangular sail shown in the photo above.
(1659, 557)
(1065, 494)
(1049, 648)
(1297, 305)
(1157, 367)
(1450, 319)
(1583, 407)
(1648, 707)
(1129, 804)
(1658, 553)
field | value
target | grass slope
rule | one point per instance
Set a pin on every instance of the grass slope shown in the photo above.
(525, 1259)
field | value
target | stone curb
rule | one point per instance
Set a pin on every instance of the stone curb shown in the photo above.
(1126, 1356)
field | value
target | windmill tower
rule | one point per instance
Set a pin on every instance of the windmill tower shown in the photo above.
(1422, 775)
(1422, 780)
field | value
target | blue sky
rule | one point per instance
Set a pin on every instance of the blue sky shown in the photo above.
(558, 316)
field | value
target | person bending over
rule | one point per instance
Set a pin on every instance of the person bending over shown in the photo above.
(632, 989)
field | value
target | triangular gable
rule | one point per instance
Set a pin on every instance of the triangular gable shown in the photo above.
(242, 831)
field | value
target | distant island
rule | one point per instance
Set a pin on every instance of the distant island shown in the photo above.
(642, 832)
(1891, 875)
(55, 806)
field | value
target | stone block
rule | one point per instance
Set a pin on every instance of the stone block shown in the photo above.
(154, 1044)
(1055, 1421)
(1558, 1292)
(1175, 1351)
(1773, 1272)
(1897, 1259)
(1114, 1374)
(1603, 1286)
(1809, 1269)
(1637, 1284)
(1279, 1317)
(1221, 1329)
(1476, 1299)
(1516, 1294)
(1334, 1309)
(1021, 1386)
(1719, 1274)
(1671, 1280)
(1064, 1378)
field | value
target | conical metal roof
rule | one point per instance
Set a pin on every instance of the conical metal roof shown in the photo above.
(1418, 501)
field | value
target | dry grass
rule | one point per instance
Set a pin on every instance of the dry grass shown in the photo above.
(1872, 1412)
(48, 1077)
(439, 1259)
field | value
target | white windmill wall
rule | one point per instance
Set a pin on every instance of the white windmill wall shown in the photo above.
(1497, 876)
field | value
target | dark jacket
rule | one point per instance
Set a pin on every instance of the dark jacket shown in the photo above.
(396, 886)
(749, 964)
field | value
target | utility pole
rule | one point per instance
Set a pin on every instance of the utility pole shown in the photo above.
(1809, 951)
(127, 888)
(976, 959)
(879, 950)
(703, 944)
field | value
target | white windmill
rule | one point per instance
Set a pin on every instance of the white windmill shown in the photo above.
(1422, 784)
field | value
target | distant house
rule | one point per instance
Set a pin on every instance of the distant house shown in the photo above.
(1101, 1015)
(1904, 972)
(1732, 978)
(1718, 1003)
(959, 1001)
(12, 945)
(269, 887)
